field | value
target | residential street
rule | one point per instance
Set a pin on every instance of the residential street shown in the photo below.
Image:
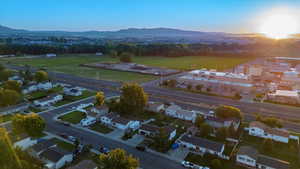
(147, 160)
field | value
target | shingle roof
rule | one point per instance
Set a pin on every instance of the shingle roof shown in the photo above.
(85, 164)
(274, 131)
(249, 151)
(121, 120)
(150, 128)
(273, 162)
(54, 154)
(43, 145)
(215, 146)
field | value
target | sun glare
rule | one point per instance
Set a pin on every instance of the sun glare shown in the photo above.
(279, 25)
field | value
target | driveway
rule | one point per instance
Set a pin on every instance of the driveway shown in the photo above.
(135, 140)
(116, 134)
(179, 153)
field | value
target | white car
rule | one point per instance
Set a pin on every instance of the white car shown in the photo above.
(187, 164)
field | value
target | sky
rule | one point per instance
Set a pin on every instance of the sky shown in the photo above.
(236, 16)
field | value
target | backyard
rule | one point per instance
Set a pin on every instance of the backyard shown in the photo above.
(69, 63)
(74, 117)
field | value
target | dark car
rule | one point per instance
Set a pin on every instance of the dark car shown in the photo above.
(140, 148)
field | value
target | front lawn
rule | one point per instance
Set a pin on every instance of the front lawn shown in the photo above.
(101, 128)
(74, 117)
(40, 94)
(64, 145)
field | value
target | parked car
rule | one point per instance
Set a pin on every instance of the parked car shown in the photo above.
(63, 135)
(187, 164)
(72, 138)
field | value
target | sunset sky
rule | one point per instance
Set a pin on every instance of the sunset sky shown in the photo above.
(237, 16)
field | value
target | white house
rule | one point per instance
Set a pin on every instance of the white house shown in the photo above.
(185, 115)
(44, 86)
(155, 107)
(29, 88)
(259, 129)
(172, 109)
(88, 121)
(216, 122)
(250, 158)
(17, 78)
(100, 110)
(107, 119)
(14, 109)
(202, 145)
(247, 156)
(25, 143)
(48, 101)
(72, 91)
(55, 158)
(40, 147)
(124, 124)
(151, 131)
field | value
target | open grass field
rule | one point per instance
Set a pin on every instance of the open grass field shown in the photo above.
(69, 63)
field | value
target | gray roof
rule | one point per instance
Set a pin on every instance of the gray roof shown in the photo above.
(50, 97)
(249, 151)
(43, 145)
(121, 120)
(149, 128)
(201, 142)
(273, 162)
(54, 154)
(13, 107)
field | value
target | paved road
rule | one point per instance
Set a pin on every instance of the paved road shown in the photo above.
(280, 111)
(147, 160)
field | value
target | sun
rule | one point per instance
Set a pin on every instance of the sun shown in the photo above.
(279, 25)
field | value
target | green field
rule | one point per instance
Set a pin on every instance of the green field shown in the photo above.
(70, 64)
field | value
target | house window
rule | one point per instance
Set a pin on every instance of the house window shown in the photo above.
(241, 158)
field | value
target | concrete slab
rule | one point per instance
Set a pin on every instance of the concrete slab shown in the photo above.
(116, 134)
(135, 140)
(179, 153)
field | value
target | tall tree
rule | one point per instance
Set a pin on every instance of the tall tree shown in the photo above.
(41, 76)
(205, 130)
(100, 98)
(133, 99)
(228, 111)
(161, 140)
(12, 85)
(268, 145)
(126, 57)
(222, 133)
(199, 121)
(32, 124)
(117, 159)
(5, 74)
(216, 164)
(9, 97)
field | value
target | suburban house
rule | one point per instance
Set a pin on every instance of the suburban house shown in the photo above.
(100, 109)
(29, 88)
(17, 78)
(176, 112)
(44, 86)
(285, 96)
(40, 147)
(116, 121)
(202, 145)
(55, 158)
(88, 121)
(259, 129)
(14, 109)
(48, 101)
(124, 124)
(155, 107)
(151, 131)
(172, 109)
(250, 158)
(85, 164)
(216, 122)
(72, 91)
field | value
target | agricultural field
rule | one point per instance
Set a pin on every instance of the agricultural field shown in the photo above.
(69, 63)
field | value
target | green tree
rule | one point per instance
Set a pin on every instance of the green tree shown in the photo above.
(113, 53)
(228, 111)
(270, 121)
(161, 140)
(189, 86)
(41, 76)
(32, 124)
(222, 133)
(172, 83)
(12, 85)
(9, 97)
(205, 130)
(5, 74)
(117, 159)
(2, 67)
(216, 164)
(268, 146)
(133, 98)
(100, 98)
(126, 57)
(199, 87)
(199, 121)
